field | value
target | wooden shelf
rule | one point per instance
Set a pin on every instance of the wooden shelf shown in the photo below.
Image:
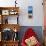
(10, 8)
(9, 26)
(9, 43)
(5, 11)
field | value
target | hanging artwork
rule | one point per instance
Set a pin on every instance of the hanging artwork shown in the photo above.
(5, 12)
(30, 11)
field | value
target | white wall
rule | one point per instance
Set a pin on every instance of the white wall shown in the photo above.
(36, 20)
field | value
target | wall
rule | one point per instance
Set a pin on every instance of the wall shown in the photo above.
(36, 20)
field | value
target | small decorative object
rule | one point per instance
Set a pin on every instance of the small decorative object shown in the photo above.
(15, 30)
(7, 34)
(15, 34)
(15, 3)
(13, 12)
(6, 21)
(30, 11)
(5, 12)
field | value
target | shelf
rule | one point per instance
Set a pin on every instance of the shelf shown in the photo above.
(5, 13)
(9, 10)
(11, 41)
(11, 26)
(10, 19)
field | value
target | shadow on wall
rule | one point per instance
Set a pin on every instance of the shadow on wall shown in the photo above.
(37, 29)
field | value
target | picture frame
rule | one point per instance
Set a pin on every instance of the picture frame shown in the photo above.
(5, 12)
(30, 11)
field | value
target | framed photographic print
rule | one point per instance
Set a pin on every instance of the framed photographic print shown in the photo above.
(30, 11)
(5, 12)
